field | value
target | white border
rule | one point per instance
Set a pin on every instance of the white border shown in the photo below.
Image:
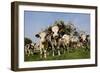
(33, 64)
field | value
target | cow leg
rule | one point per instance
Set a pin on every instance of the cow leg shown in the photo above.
(68, 48)
(63, 48)
(53, 52)
(45, 55)
(41, 50)
(29, 52)
(40, 53)
(59, 52)
(53, 49)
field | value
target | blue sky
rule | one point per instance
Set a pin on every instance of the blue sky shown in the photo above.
(35, 21)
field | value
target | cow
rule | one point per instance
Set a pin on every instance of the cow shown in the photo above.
(88, 39)
(69, 42)
(43, 45)
(48, 41)
(64, 42)
(85, 40)
(74, 40)
(60, 39)
(29, 49)
(26, 49)
(55, 30)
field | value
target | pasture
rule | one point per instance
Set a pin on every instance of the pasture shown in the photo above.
(79, 53)
(60, 41)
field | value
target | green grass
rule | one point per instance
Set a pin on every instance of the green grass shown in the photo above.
(79, 53)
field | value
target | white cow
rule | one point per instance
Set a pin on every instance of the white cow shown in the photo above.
(70, 41)
(65, 40)
(74, 41)
(42, 44)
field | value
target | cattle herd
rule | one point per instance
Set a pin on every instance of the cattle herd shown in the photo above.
(58, 39)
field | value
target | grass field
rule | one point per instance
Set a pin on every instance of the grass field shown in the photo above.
(79, 53)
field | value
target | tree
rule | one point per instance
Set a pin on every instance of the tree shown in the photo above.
(65, 28)
(27, 41)
(71, 29)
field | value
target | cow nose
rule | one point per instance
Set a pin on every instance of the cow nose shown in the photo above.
(56, 36)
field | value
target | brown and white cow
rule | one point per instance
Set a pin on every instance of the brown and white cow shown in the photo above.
(85, 40)
(29, 49)
(26, 49)
(55, 30)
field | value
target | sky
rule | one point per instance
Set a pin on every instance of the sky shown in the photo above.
(36, 21)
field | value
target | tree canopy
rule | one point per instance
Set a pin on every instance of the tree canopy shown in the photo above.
(27, 41)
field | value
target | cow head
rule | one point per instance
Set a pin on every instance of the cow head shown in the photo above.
(55, 30)
(83, 37)
(42, 36)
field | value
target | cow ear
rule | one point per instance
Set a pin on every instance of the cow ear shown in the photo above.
(37, 35)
